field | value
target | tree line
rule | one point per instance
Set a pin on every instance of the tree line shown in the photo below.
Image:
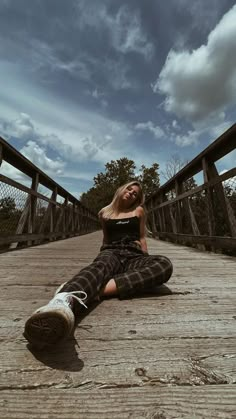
(117, 173)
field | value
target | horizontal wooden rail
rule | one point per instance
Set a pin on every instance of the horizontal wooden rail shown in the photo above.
(23, 188)
(27, 216)
(216, 241)
(221, 178)
(202, 215)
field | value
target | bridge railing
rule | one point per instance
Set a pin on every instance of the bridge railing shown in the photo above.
(203, 216)
(30, 216)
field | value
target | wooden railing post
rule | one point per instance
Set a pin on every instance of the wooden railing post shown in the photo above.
(73, 218)
(209, 198)
(178, 191)
(1, 154)
(64, 219)
(53, 212)
(172, 218)
(162, 213)
(152, 220)
(225, 204)
(56, 220)
(34, 187)
(22, 221)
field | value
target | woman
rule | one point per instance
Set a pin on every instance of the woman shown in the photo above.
(123, 267)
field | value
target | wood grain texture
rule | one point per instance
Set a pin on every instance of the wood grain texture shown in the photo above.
(167, 354)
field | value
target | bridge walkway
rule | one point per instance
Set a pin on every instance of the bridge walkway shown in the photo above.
(169, 354)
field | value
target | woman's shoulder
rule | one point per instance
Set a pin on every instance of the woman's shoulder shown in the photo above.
(139, 212)
(101, 214)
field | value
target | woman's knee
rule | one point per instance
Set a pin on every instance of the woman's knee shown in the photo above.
(166, 266)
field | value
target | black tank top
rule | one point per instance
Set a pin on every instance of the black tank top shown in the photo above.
(118, 229)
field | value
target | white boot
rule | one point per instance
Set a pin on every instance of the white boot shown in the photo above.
(54, 321)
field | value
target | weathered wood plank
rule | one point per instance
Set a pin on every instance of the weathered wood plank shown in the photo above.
(168, 354)
(156, 362)
(146, 402)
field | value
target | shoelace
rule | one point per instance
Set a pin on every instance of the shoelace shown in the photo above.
(59, 296)
(80, 300)
(72, 293)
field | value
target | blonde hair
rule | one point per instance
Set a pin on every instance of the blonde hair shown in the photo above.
(113, 207)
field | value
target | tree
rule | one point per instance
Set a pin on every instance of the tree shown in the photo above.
(9, 214)
(149, 178)
(7, 206)
(118, 172)
(173, 166)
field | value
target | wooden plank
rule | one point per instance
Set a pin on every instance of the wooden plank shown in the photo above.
(89, 401)
(127, 362)
(166, 354)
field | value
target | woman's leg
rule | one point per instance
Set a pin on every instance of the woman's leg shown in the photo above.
(143, 272)
(110, 289)
(93, 278)
(55, 321)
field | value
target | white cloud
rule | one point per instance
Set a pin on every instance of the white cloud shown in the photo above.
(95, 94)
(175, 124)
(219, 129)
(149, 126)
(22, 127)
(202, 82)
(37, 155)
(13, 173)
(44, 56)
(124, 28)
(91, 137)
(127, 33)
(191, 138)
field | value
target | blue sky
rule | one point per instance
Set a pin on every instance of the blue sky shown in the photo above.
(86, 82)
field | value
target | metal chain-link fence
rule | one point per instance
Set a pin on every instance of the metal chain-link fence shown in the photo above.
(12, 203)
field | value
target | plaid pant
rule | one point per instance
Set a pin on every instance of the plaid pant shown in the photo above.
(131, 268)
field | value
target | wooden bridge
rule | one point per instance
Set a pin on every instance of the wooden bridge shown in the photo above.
(163, 355)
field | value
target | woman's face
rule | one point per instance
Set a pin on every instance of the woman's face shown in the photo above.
(130, 195)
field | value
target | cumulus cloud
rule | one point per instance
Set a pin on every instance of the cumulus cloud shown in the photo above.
(13, 173)
(191, 138)
(217, 130)
(21, 127)
(94, 139)
(175, 124)
(38, 156)
(149, 126)
(202, 82)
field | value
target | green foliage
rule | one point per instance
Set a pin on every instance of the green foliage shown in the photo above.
(117, 173)
(7, 206)
(9, 214)
(149, 178)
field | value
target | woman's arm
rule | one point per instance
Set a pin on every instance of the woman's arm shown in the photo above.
(104, 241)
(142, 219)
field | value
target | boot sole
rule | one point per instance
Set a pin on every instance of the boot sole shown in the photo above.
(44, 328)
